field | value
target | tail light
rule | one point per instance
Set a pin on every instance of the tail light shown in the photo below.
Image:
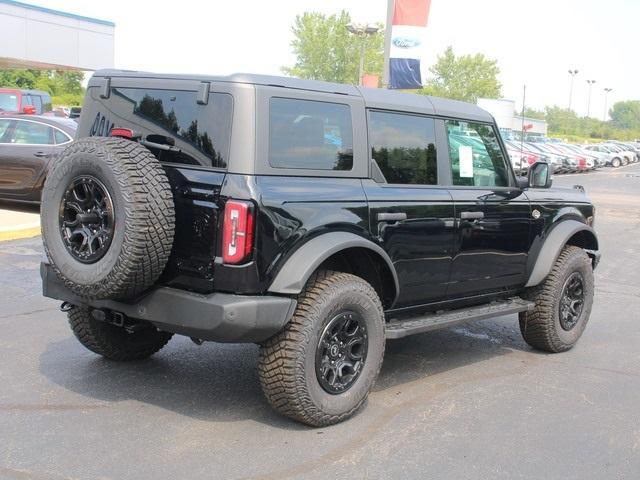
(237, 232)
(124, 133)
(531, 159)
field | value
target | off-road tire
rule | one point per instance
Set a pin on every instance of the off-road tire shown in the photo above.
(541, 327)
(114, 342)
(144, 218)
(287, 360)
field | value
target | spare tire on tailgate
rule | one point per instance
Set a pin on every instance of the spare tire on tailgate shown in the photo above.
(107, 218)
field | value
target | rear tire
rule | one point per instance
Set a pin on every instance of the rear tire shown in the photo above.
(304, 370)
(563, 303)
(114, 342)
(615, 163)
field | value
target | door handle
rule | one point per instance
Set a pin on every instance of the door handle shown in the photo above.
(41, 154)
(392, 216)
(471, 215)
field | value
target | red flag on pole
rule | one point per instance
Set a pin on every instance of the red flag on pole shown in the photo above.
(404, 42)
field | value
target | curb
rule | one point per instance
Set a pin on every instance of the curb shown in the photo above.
(20, 231)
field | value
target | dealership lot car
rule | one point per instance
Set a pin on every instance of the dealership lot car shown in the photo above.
(15, 100)
(28, 146)
(315, 219)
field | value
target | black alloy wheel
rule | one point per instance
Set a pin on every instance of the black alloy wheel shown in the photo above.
(571, 301)
(87, 220)
(341, 352)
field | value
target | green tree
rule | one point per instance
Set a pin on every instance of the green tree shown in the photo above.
(325, 50)
(626, 115)
(64, 86)
(533, 113)
(464, 77)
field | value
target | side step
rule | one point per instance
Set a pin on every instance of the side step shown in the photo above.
(433, 321)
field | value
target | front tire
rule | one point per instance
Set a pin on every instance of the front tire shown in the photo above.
(615, 163)
(320, 368)
(563, 303)
(114, 342)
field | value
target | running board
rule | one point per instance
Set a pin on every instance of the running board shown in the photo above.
(433, 321)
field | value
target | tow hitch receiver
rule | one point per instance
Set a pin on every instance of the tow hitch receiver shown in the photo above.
(119, 320)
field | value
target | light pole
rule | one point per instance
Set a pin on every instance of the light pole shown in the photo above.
(606, 94)
(573, 73)
(590, 82)
(362, 31)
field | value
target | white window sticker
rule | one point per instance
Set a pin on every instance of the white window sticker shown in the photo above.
(465, 153)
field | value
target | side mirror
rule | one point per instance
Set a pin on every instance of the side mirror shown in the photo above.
(29, 110)
(540, 175)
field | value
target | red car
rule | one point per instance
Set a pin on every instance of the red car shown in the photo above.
(15, 100)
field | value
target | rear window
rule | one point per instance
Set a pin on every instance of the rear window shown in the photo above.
(8, 102)
(308, 134)
(190, 133)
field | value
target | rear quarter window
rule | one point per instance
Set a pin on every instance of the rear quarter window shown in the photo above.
(309, 134)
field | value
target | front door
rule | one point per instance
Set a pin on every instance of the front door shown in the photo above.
(411, 216)
(492, 213)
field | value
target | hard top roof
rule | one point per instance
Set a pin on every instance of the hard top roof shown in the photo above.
(373, 97)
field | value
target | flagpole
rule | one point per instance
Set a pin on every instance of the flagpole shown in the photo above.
(387, 43)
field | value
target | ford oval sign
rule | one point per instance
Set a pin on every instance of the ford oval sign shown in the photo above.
(405, 42)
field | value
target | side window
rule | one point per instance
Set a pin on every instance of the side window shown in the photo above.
(8, 102)
(476, 158)
(4, 130)
(46, 103)
(32, 133)
(404, 148)
(37, 102)
(309, 134)
(61, 137)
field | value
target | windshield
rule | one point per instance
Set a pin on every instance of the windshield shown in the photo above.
(8, 102)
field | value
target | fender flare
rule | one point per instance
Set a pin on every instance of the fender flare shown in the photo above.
(293, 276)
(553, 245)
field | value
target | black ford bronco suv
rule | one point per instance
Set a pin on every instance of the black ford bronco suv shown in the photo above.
(314, 219)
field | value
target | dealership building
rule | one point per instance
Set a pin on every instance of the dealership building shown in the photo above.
(40, 38)
(511, 124)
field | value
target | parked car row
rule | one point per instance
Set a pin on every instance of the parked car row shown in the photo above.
(572, 158)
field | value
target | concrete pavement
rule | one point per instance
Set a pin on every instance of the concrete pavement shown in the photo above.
(15, 224)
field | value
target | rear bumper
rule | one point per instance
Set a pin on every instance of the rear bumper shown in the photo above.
(218, 317)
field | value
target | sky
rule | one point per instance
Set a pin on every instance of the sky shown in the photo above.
(535, 43)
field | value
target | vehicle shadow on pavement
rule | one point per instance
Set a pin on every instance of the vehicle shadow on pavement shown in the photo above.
(219, 382)
(430, 354)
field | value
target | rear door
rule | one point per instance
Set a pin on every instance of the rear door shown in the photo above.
(410, 214)
(492, 213)
(190, 133)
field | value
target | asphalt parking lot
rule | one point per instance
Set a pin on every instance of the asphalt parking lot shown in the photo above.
(470, 402)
